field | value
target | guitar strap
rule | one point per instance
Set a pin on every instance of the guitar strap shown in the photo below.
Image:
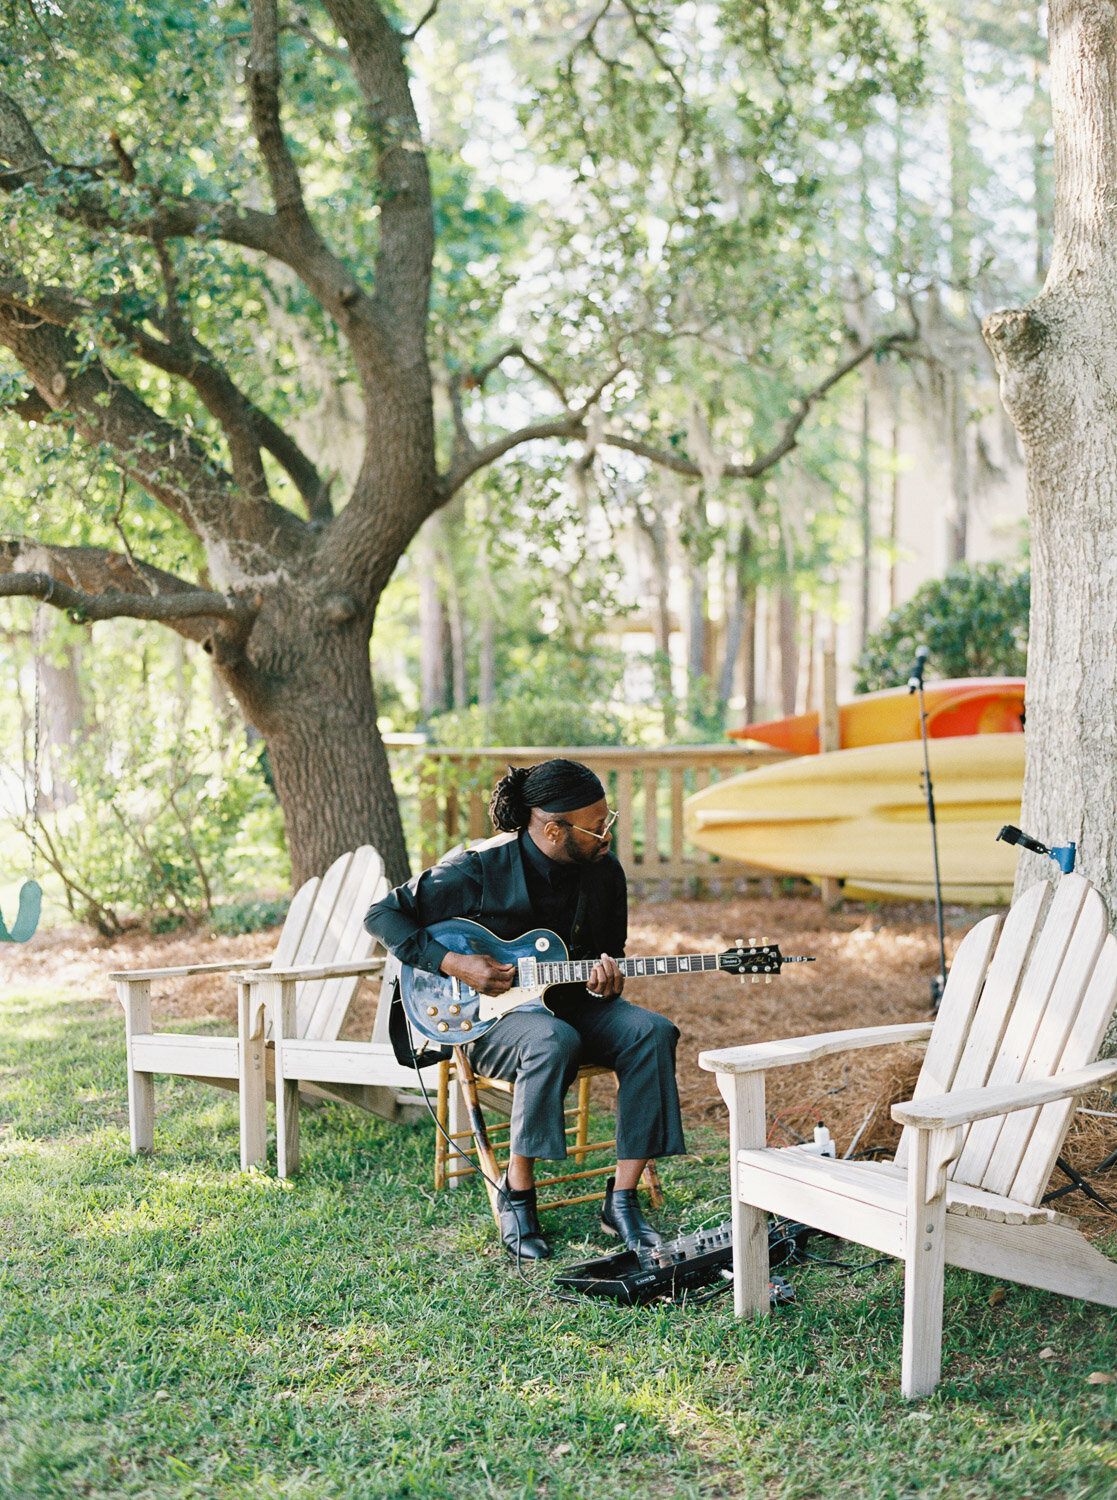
(399, 1034)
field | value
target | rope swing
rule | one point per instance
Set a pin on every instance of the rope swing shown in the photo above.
(31, 893)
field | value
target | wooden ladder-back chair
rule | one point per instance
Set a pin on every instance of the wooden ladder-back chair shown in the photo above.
(323, 952)
(456, 1118)
(1020, 1021)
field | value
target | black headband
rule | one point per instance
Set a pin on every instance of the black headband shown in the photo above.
(561, 786)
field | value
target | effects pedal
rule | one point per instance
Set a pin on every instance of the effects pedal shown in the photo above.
(668, 1271)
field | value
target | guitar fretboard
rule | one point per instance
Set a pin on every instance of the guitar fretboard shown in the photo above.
(577, 970)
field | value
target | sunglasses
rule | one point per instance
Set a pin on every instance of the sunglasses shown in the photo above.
(604, 834)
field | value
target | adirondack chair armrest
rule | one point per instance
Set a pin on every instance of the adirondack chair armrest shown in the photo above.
(944, 1111)
(758, 1057)
(139, 975)
(314, 971)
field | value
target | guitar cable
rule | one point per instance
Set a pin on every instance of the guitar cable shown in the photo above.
(536, 1288)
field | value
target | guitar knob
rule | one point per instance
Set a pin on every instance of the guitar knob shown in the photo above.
(432, 1010)
(444, 1026)
(455, 1010)
(467, 1026)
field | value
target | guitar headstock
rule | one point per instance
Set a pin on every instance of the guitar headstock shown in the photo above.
(755, 959)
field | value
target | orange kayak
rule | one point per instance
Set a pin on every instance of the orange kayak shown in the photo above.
(963, 705)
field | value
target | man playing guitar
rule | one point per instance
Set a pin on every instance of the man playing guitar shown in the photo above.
(550, 865)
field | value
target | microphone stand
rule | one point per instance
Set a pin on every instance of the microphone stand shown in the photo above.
(915, 684)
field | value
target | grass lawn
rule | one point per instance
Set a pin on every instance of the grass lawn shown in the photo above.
(173, 1328)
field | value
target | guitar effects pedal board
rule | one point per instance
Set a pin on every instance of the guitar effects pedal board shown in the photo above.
(669, 1271)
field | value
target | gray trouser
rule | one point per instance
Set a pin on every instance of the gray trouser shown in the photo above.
(541, 1053)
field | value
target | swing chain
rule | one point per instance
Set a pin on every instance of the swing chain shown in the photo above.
(36, 762)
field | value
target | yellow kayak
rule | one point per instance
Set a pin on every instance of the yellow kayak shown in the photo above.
(861, 816)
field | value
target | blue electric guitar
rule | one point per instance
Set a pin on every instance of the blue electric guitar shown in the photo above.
(446, 1010)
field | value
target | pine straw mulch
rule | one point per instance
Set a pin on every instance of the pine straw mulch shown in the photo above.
(873, 967)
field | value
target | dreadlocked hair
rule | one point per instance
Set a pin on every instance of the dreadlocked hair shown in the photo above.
(554, 785)
(507, 807)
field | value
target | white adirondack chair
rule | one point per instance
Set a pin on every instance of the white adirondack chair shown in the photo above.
(322, 954)
(342, 1069)
(1019, 1024)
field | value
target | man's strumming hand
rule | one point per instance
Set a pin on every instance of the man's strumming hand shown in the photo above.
(480, 972)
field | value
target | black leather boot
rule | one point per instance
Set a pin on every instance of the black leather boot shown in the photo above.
(621, 1217)
(520, 1231)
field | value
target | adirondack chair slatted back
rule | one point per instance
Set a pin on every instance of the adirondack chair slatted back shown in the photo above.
(325, 925)
(1041, 1004)
(294, 924)
(1035, 1039)
(977, 1001)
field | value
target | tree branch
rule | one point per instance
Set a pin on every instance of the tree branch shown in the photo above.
(463, 442)
(90, 583)
(802, 408)
(427, 15)
(170, 464)
(262, 79)
(574, 426)
(246, 427)
(480, 458)
(139, 211)
(299, 28)
(403, 193)
(516, 351)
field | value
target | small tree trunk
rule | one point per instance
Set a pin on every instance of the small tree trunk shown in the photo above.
(432, 628)
(654, 529)
(748, 655)
(61, 711)
(486, 642)
(866, 518)
(735, 615)
(696, 625)
(789, 651)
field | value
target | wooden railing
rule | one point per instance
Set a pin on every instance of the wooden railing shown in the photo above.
(451, 791)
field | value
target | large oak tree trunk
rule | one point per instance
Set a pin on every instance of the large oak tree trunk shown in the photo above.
(1057, 360)
(318, 718)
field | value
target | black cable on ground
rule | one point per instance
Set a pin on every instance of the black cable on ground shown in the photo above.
(545, 1290)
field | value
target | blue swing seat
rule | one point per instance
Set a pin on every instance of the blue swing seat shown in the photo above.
(27, 918)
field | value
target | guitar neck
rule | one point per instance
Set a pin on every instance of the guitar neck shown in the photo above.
(577, 970)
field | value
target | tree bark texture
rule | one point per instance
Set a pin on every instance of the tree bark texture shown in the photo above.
(1057, 361)
(305, 685)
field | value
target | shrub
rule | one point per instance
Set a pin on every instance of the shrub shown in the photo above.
(974, 623)
(165, 821)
